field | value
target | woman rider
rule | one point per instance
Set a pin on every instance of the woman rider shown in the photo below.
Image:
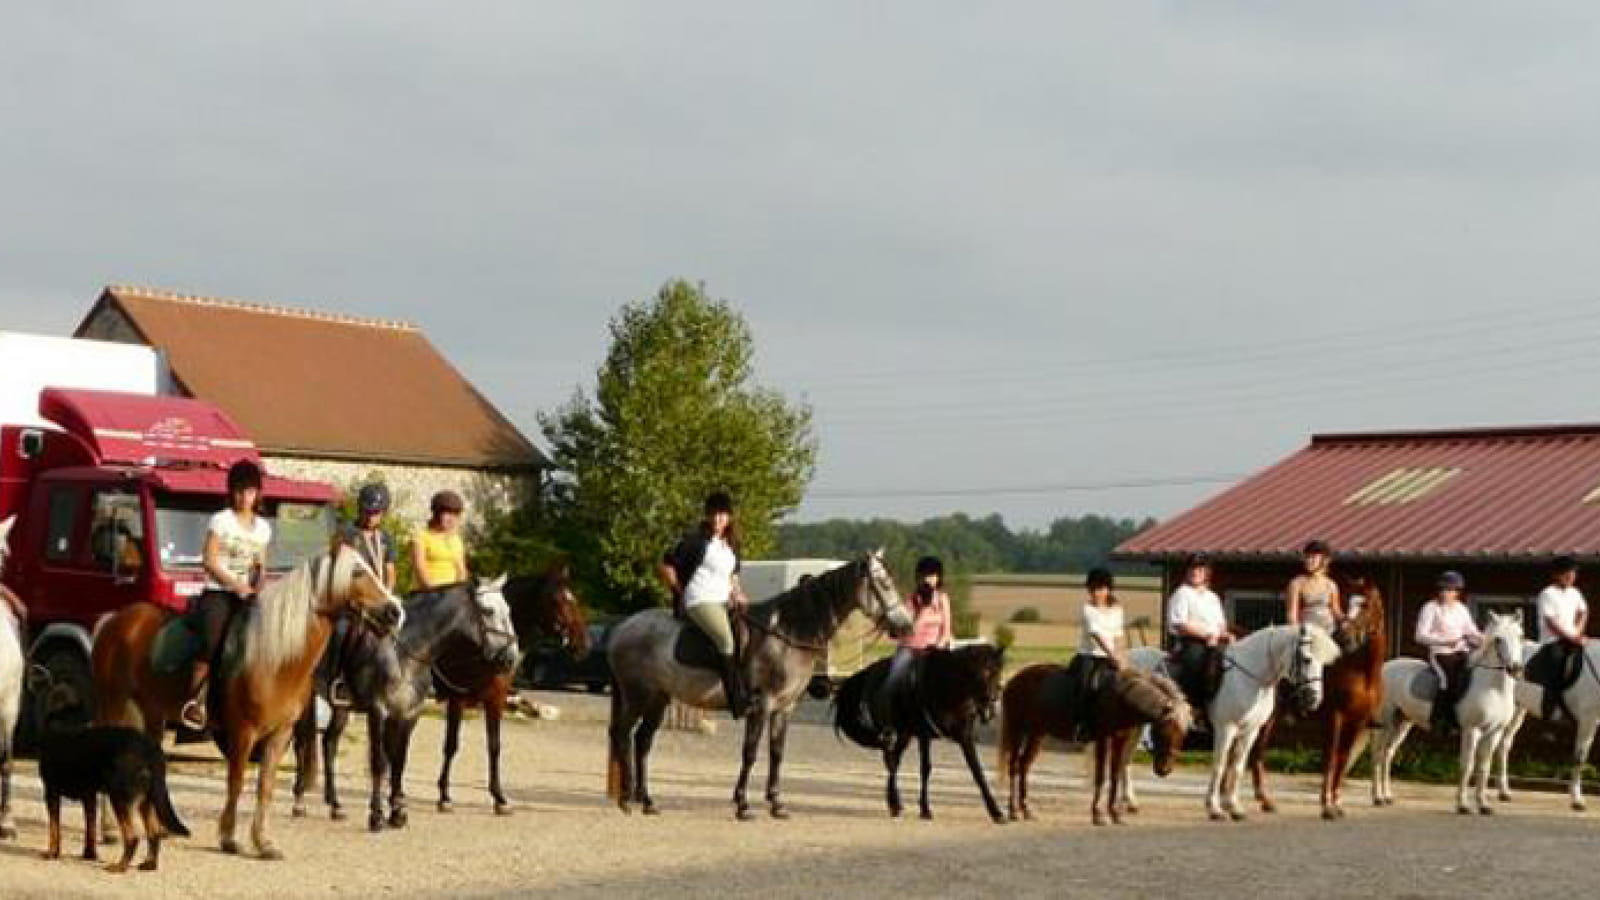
(366, 534)
(1445, 628)
(1197, 623)
(931, 629)
(1313, 596)
(235, 558)
(702, 573)
(1101, 642)
(439, 553)
(1563, 620)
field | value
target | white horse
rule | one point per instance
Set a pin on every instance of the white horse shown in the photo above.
(11, 672)
(1244, 702)
(1583, 701)
(1484, 712)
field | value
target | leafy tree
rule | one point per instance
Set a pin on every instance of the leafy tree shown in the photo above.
(673, 416)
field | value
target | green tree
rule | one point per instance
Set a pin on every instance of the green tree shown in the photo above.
(673, 416)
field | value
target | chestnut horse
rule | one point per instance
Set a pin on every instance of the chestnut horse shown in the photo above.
(285, 631)
(1353, 691)
(1130, 701)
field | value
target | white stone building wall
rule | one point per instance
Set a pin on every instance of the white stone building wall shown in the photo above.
(413, 486)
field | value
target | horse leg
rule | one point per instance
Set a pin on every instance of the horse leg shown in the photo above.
(1221, 747)
(620, 736)
(91, 813)
(1470, 737)
(1100, 750)
(378, 750)
(1502, 753)
(8, 829)
(1331, 762)
(493, 712)
(1241, 754)
(775, 746)
(643, 739)
(452, 743)
(305, 759)
(266, 784)
(1580, 755)
(399, 751)
(1486, 749)
(969, 749)
(753, 726)
(330, 759)
(924, 773)
(1119, 746)
(1258, 765)
(892, 755)
(1030, 753)
(1124, 763)
(239, 748)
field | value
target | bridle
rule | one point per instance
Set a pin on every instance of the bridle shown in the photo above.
(1299, 680)
(1499, 644)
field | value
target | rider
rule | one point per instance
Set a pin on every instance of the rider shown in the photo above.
(1313, 596)
(1445, 628)
(235, 558)
(366, 534)
(702, 573)
(1196, 620)
(439, 553)
(931, 629)
(1101, 643)
(1563, 617)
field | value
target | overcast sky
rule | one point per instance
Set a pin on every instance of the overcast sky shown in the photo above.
(1032, 247)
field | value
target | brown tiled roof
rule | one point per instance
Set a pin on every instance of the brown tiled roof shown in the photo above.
(1506, 493)
(321, 385)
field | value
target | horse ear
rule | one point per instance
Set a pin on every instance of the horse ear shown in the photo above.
(5, 531)
(1518, 617)
(498, 582)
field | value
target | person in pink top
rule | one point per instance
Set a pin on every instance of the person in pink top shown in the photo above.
(931, 629)
(1446, 630)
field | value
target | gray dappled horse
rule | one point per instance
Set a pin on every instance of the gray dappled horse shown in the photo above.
(784, 638)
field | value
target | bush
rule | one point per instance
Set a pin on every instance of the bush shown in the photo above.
(1004, 636)
(1027, 615)
(965, 623)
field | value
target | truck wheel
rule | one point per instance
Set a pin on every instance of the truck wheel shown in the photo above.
(66, 666)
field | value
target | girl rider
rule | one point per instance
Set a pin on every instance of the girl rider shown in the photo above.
(702, 573)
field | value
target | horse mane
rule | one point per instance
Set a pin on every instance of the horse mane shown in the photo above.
(1152, 695)
(812, 610)
(279, 623)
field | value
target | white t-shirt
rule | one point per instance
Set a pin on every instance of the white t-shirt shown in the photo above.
(1561, 604)
(713, 581)
(238, 548)
(1103, 621)
(1196, 606)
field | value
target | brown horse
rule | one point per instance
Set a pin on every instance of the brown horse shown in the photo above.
(1352, 692)
(285, 632)
(1132, 699)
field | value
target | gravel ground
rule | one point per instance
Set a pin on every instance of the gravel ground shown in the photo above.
(566, 839)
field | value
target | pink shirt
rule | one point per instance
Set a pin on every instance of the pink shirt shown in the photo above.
(930, 624)
(1445, 629)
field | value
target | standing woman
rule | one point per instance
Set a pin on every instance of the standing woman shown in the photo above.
(1313, 596)
(931, 629)
(235, 559)
(438, 553)
(1445, 628)
(702, 572)
(1102, 640)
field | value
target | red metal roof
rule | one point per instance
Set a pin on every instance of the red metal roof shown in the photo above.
(137, 429)
(214, 482)
(1449, 495)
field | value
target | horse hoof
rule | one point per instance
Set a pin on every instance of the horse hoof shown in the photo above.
(1576, 807)
(650, 809)
(1338, 811)
(1237, 816)
(926, 815)
(780, 813)
(744, 814)
(271, 854)
(8, 832)
(1505, 797)
(298, 811)
(1132, 809)
(503, 809)
(999, 819)
(1027, 815)
(1486, 810)
(1268, 807)
(399, 819)
(148, 865)
(1218, 816)
(623, 805)
(1116, 819)
(375, 822)
(117, 868)
(896, 812)
(230, 847)
(445, 806)
(1099, 821)
(1328, 814)
(338, 814)
(1463, 809)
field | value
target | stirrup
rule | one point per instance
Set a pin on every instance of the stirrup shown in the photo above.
(193, 715)
(339, 693)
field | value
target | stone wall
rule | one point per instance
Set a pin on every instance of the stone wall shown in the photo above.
(413, 486)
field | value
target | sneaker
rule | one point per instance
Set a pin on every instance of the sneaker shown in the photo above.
(194, 715)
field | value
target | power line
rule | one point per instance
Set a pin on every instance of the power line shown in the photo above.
(1010, 490)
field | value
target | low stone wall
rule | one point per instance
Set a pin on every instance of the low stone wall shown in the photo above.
(413, 486)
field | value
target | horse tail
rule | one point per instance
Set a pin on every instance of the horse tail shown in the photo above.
(615, 766)
(1010, 725)
(162, 800)
(852, 715)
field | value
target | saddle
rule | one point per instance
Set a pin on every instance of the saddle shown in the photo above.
(177, 645)
(694, 650)
(1424, 686)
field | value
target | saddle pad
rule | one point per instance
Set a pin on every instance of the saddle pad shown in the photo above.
(1424, 685)
(175, 647)
(694, 649)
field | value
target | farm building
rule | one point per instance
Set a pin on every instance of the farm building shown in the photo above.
(1496, 504)
(332, 398)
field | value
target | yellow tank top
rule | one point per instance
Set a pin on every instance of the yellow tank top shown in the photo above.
(443, 556)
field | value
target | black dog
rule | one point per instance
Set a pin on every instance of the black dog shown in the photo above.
(83, 763)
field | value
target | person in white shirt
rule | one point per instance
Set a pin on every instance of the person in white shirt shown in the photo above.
(1446, 630)
(1563, 618)
(1101, 644)
(1196, 622)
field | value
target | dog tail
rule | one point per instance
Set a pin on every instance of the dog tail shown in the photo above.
(852, 714)
(163, 804)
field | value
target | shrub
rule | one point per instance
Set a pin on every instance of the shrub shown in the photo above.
(1027, 615)
(1004, 636)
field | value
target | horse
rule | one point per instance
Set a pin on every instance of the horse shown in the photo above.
(284, 633)
(1352, 691)
(461, 628)
(1253, 667)
(1582, 699)
(1030, 713)
(787, 635)
(1484, 712)
(954, 691)
(11, 678)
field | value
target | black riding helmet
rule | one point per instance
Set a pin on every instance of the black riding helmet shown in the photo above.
(373, 498)
(447, 502)
(1564, 564)
(1100, 577)
(244, 475)
(930, 565)
(1316, 546)
(718, 502)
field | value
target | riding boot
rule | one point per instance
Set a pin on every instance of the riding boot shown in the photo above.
(733, 687)
(193, 714)
(1443, 718)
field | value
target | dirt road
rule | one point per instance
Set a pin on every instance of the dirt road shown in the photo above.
(564, 838)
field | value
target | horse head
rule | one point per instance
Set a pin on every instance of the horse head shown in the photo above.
(878, 598)
(1172, 719)
(5, 540)
(550, 607)
(1501, 647)
(353, 585)
(1314, 650)
(982, 665)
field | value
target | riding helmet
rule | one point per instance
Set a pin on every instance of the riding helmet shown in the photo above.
(447, 502)
(1195, 561)
(1452, 581)
(719, 502)
(1316, 546)
(1100, 577)
(1564, 564)
(930, 565)
(373, 498)
(244, 475)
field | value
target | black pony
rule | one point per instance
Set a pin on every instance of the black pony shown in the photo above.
(948, 694)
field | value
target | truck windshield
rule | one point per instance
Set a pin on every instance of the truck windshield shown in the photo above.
(299, 531)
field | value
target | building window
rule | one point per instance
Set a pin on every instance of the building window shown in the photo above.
(1254, 610)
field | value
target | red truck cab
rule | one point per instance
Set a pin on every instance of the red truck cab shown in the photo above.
(113, 509)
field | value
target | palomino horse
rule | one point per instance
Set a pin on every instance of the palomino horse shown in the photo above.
(1484, 712)
(954, 691)
(1133, 699)
(390, 680)
(1253, 668)
(11, 676)
(1582, 700)
(285, 632)
(787, 635)
(1352, 691)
